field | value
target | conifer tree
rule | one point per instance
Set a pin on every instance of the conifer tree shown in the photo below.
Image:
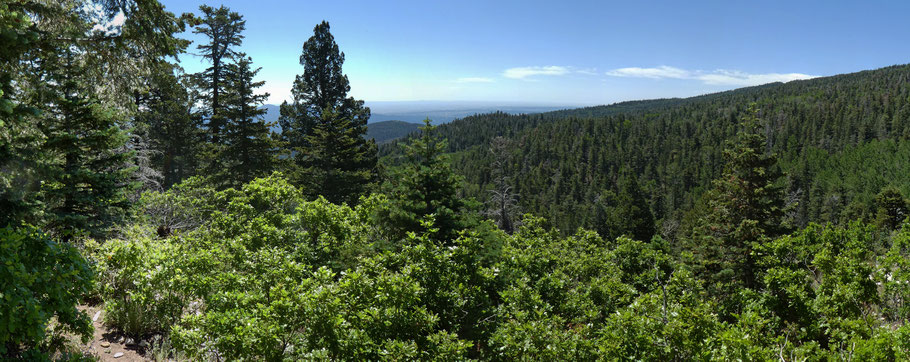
(323, 119)
(502, 206)
(223, 29)
(173, 128)
(249, 150)
(426, 186)
(625, 212)
(891, 208)
(745, 207)
(339, 163)
(86, 181)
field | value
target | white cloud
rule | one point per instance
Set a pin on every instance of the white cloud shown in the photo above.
(717, 77)
(525, 72)
(662, 71)
(733, 77)
(474, 80)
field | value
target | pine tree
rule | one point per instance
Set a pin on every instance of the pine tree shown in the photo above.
(249, 150)
(745, 207)
(86, 183)
(426, 186)
(323, 123)
(223, 29)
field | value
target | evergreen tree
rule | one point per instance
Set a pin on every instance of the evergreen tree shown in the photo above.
(86, 181)
(249, 150)
(425, 187)
(625, 212)
(745, 208)
(173, 129)
(223, 29)
(17, 135)
(322, 119)
(891, 208)
(339, 163)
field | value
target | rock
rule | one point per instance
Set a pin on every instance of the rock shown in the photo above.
(97, 314)
(105, 344)
(118, 354)
(107, 350)
(120, 340)
(129, 341)
(143, 344)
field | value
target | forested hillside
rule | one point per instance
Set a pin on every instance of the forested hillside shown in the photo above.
(840, 140)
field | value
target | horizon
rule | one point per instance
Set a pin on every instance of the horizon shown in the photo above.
(582, 54)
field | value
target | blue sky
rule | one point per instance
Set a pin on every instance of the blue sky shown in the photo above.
(568, 52)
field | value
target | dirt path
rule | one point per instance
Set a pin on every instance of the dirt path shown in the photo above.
(108, 345)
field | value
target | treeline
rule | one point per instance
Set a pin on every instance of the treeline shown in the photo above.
(841, 141)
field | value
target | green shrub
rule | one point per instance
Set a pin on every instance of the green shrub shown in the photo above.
(40, 280)
(143, 285)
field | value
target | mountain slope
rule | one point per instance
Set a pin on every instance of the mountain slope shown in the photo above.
(387, 131)
(827, 132)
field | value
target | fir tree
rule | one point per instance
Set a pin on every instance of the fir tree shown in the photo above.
(745, 207)
(426, 187)
(86, 181)
(339, 163)
(249, 151)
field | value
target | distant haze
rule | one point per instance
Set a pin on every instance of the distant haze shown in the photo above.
(437, 111)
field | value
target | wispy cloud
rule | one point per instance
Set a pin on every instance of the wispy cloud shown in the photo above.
(716, 77)
(734, 77)
(662, 71)
(474, 80)
(525, 72)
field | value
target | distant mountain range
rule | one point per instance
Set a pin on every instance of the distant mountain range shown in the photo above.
(392, 120)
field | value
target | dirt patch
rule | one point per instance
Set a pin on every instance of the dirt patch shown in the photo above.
(107, 344)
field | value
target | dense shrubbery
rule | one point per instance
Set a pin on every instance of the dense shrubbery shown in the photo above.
(273, 276)
(41, 282)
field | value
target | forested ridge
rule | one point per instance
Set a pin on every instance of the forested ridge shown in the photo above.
(765, 223)
(840, 139)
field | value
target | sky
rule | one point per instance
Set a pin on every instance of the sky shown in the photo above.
(566, 52)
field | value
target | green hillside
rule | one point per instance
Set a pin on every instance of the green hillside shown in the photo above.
(387, 131)
(840, 139)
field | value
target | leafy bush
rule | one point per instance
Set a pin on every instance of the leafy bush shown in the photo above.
(40, 280)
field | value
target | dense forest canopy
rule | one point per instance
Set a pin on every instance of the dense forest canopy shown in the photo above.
(841, 140)
(762, 223)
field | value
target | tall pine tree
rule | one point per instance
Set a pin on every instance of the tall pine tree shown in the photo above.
(223, 29)
(323, 124)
